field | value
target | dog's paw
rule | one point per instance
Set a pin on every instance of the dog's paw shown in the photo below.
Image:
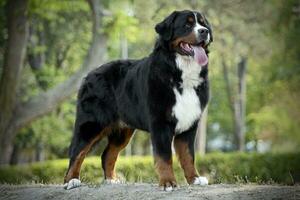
(200, 180)
(73, 183)
(168, 186)
(113, 181)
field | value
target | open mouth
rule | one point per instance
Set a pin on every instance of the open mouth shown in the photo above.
(197, 51)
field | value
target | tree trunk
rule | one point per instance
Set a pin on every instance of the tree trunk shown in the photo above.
(16, 114)
(36, 38)
(14, 160)
(17, 29)
(237, 104)
(201, 133)
(241, 104)
(39, 151)
(124, 46)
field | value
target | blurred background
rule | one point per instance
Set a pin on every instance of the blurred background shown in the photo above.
(48, 46)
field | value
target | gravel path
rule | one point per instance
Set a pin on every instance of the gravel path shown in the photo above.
(148, 191)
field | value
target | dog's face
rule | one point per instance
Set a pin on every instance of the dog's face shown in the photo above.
(187, 32)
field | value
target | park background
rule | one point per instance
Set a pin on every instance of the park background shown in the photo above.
(249, 133)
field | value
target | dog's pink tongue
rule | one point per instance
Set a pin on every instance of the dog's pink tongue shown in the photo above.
(200, 55)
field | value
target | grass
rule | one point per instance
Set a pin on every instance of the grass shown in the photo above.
(218, 167)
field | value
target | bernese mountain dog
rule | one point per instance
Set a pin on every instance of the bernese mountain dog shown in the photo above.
(163, 94)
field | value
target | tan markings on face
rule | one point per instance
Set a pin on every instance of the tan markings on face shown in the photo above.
(190, 39)
(191, 19)
(202, 19)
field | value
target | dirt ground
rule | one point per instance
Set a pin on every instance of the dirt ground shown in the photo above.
(150, 191)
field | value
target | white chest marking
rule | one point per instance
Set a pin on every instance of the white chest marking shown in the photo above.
(187, 107)
(186, 110)
(190, 71)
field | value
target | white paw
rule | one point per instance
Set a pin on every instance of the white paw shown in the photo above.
(200, 180)
(73, 183)
(112, 181)
(169, 189)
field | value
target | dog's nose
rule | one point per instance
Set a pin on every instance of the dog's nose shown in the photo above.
(203, 32)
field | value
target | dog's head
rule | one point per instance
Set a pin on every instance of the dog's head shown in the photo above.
(188, 33)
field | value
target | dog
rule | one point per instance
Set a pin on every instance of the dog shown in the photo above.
(163, 94)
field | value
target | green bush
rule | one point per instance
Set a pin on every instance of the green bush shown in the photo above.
(219, 167)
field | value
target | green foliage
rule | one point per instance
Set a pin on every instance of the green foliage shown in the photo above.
(274, 93)
(121, 25)
(267, 33)
(62, 40)
(219, 167)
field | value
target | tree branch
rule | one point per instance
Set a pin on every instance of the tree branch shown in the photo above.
(47, 101)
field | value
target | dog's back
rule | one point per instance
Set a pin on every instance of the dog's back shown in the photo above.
(114, 92)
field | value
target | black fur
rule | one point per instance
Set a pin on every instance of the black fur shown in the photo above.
(139, 93)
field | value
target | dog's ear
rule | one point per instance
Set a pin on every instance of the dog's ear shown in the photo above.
(207, 24)
(165, 28)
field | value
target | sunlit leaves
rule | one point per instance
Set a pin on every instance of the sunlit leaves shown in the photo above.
(267, 33)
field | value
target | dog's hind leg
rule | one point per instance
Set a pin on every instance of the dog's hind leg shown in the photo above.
(117, 141)
(83, 139)
(95, 116)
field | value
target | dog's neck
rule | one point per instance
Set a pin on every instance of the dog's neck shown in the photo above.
(162, 45)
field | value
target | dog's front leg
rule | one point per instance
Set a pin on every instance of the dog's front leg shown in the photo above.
(162, 137)
(184, 147)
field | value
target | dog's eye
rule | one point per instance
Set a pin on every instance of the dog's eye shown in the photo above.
(188, 25)
(189, 22)
(202, 21)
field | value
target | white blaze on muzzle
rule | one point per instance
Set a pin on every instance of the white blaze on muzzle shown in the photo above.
(199, 27)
